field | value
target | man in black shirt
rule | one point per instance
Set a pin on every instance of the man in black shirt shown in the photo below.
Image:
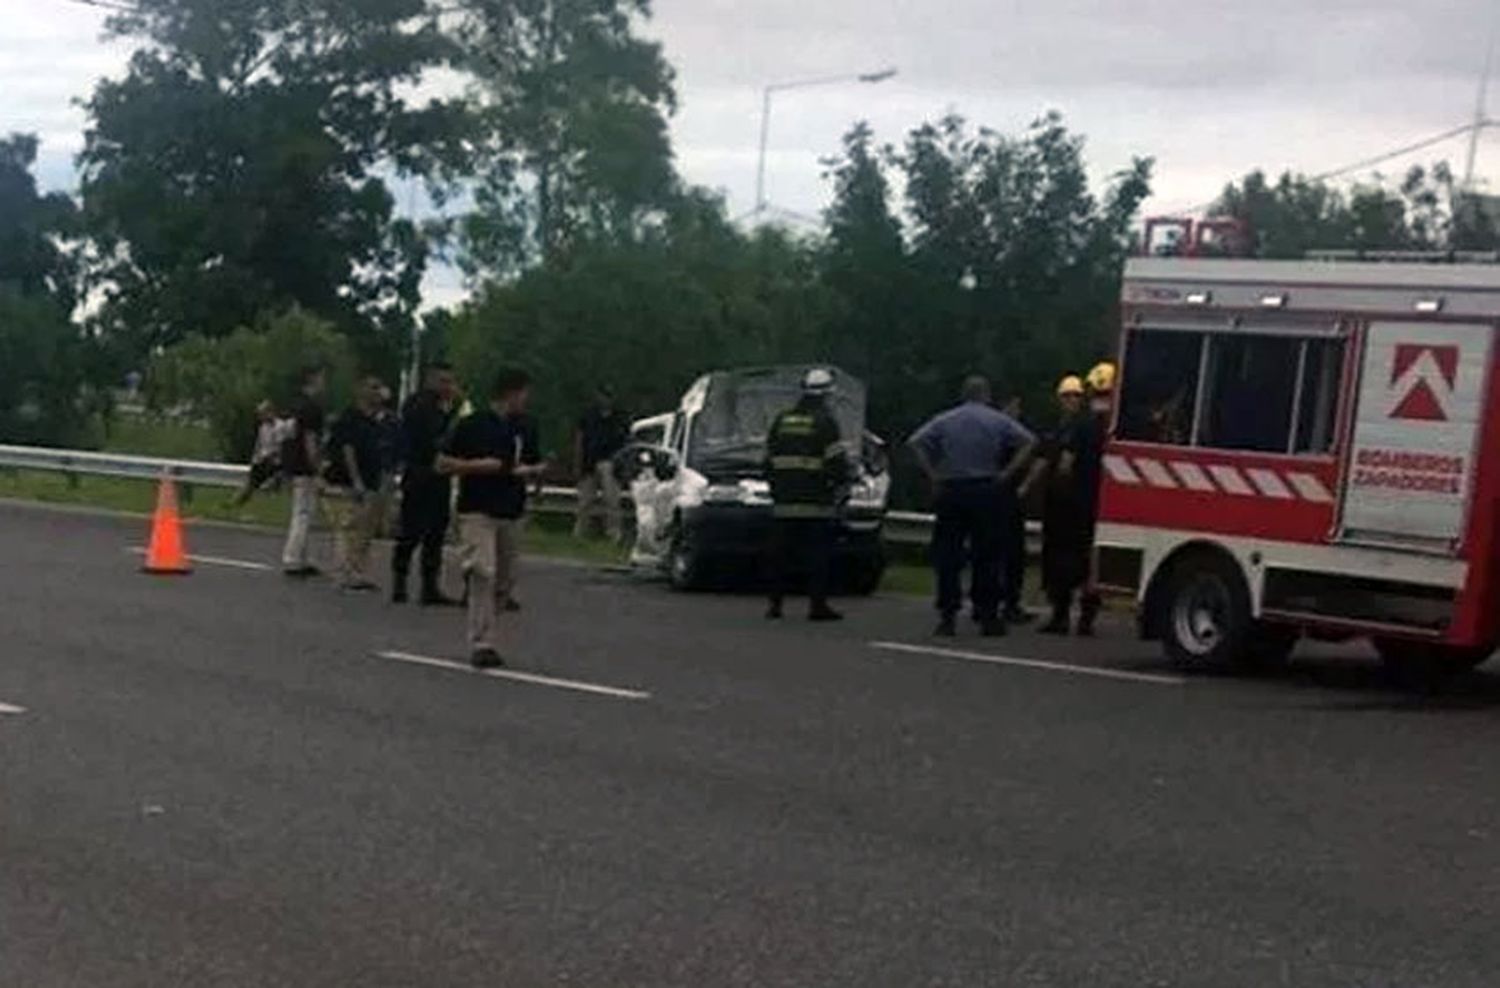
(494, 454)
(426, 494)
(354, 476)
(602, 432)
(301, 458)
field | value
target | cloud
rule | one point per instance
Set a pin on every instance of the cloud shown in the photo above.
(1211, 88)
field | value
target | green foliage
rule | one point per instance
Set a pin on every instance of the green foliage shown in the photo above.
(1008, 265)
(1423, 211)
(574, 145)
(44, 360)
(42, 372)
(693, 295)
(222, 379)
(230, 173)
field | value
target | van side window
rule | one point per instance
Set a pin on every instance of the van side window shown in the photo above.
(1161, 386)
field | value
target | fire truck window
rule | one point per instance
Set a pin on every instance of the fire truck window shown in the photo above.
(1161, 386)
(1252, 385)
(1319, 406)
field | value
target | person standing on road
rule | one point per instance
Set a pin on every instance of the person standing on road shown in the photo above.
(1101, 397)
(301, 458)
(354, 474)
(809, 470)
(602, 432)
(1013, 537)
(426, 494)
(971, 453)
(1069, 471)
(265, 461)
(493, 453)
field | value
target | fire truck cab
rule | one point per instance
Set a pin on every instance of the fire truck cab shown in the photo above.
(1307, 449)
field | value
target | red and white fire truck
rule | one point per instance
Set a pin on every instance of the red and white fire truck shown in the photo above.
(1307, 448)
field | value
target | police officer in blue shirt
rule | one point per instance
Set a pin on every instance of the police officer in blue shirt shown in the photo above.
(971, 453)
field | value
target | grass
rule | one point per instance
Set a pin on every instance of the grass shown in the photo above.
(146, 435)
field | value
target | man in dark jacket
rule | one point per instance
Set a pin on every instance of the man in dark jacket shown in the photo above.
(809, 469)
(426, 494)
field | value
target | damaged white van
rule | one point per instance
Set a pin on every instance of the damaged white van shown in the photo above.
(698, 478)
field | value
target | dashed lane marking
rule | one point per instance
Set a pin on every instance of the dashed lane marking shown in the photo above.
(529, 678)
(215, 561)
(1155, 679)
(10, 708)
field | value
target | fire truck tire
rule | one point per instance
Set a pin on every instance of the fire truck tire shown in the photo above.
(1205, 620)
(1419, 662)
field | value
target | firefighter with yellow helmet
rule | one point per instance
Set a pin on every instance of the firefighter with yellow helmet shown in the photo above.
(1069, 471)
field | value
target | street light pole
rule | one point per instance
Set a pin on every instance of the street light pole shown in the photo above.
(867, 78)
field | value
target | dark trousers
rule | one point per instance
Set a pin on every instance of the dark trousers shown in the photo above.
(968, 530)
(800, 547)
(1067, 539)
(1012, 548)
(425, 513)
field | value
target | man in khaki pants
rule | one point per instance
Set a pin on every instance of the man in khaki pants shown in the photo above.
(602, 432)
(355, 477)
(493, 453)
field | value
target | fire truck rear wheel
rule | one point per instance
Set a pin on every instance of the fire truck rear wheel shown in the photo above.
(1206, 622)
(1418, 662)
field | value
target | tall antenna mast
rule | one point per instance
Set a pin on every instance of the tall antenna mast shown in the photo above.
(1481, 109)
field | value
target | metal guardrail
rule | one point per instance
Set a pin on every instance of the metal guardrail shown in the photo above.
(88, 464)
(902, 527)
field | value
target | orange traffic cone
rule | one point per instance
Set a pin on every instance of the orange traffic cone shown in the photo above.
(166, 555)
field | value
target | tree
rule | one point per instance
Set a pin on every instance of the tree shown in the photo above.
(1423, 211)
(233, 170)
(573, 111)
(1018, 265)
(43, 357)
(223, 378)
(691, 295)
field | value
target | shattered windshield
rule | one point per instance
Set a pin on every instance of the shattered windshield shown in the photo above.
(740, 407)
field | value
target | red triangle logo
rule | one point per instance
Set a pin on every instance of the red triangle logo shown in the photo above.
(1421, 405)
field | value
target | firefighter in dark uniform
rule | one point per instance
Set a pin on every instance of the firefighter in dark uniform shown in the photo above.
(426, 495)
(1101, 397)
(1069, 472)
(809, 470)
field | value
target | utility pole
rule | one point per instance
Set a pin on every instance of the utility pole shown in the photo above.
(867, 78)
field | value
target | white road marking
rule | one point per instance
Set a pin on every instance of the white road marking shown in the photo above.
(215, 561)
(1005, 660)
(7, 708)
(519, 677)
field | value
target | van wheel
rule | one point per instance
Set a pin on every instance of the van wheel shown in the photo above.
(1205, 621)
(685, 564)
(1418, 662)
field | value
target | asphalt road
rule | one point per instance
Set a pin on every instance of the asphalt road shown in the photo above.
(218, 780)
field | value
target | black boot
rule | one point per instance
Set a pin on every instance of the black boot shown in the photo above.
(1088, 614)
(1062, 607)
(820, 611)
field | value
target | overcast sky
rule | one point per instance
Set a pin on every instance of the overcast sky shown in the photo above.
(1210, 88)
